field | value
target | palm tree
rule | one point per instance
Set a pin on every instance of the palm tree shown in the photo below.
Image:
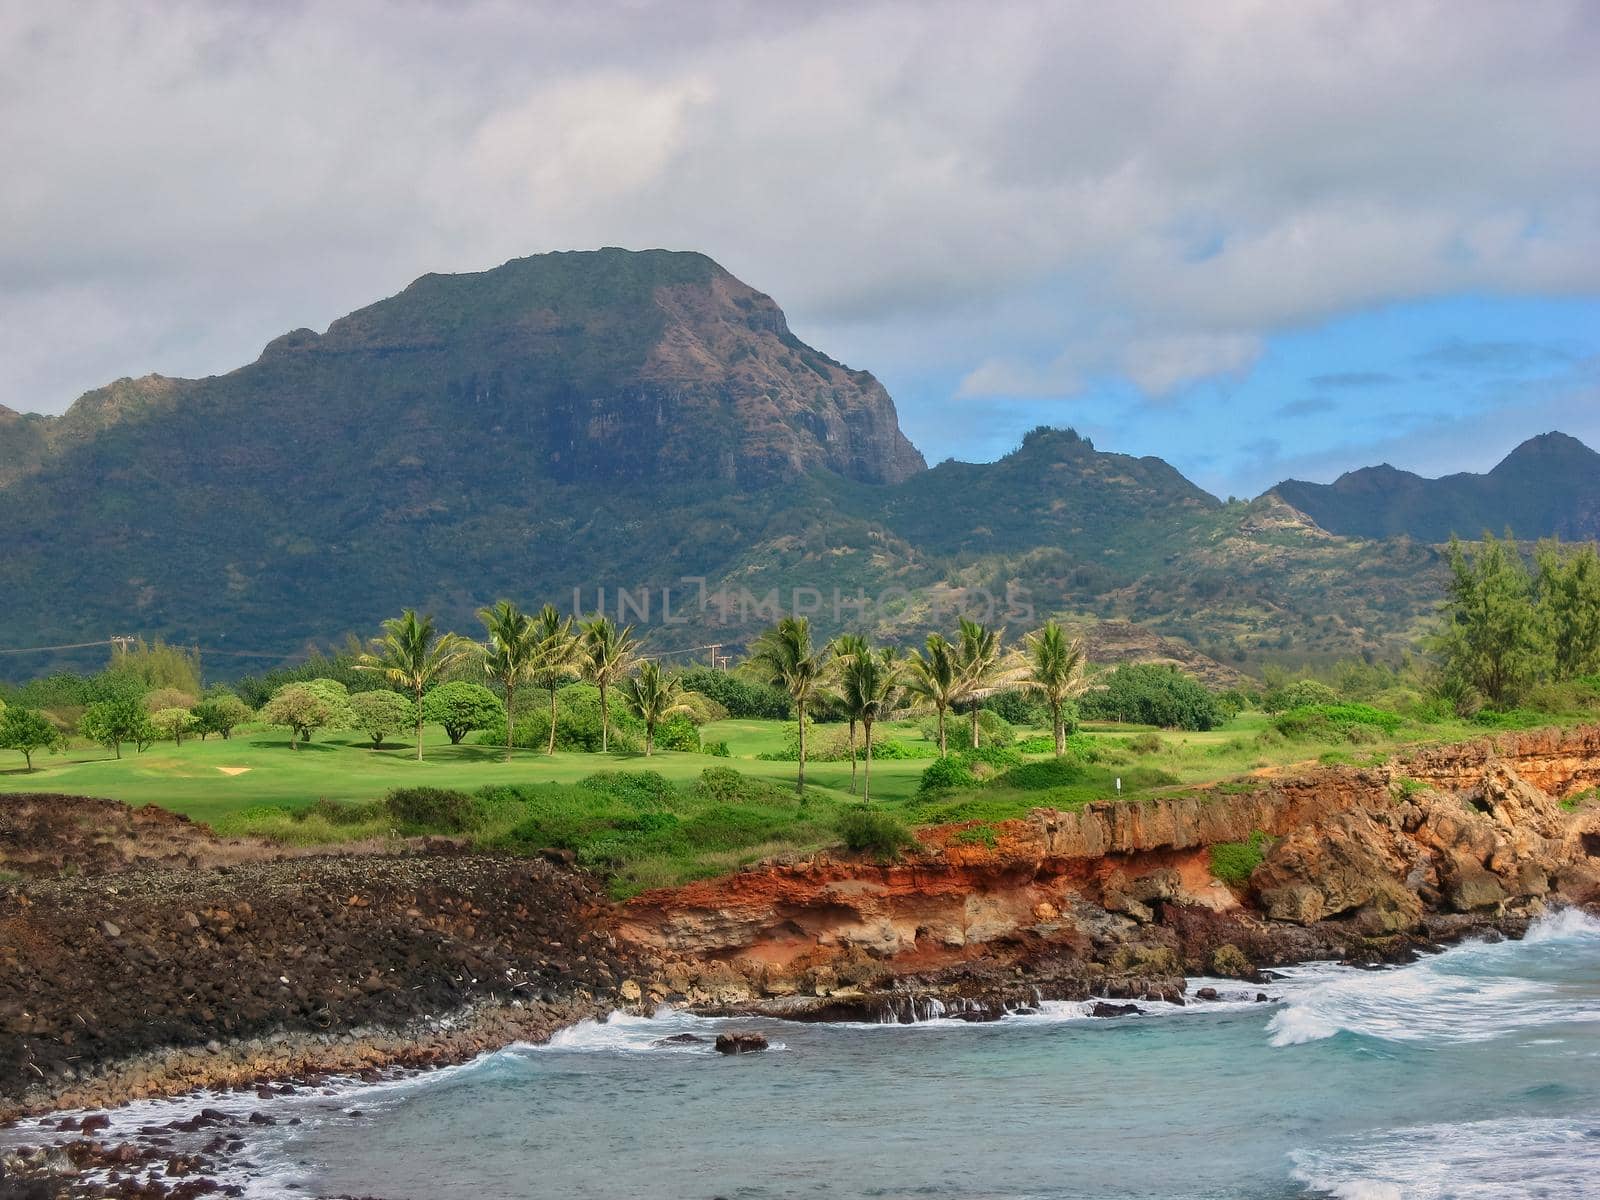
(845, 647)
(652, 697)
(608, 655)
(510, 656)
(783, 657)
(1055, 671)
(410, 654)
(935, 676)
(556, 656)
(984, 668)
(870, 689)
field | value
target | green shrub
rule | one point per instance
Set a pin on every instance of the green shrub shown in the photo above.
(577, 722)
(947, 774)
(993, 730)
(1336, 723)
(1510, 718)
(874, 830)
(715, 749)
(1302, 693)
(1041, 776)
(1234, 862)
(727, 786)
(643, 788)
(1026, 710)
(678, 733)
(335, 813)
(1145, 743)
(739, 696)
(432, 810)
(1153, 694)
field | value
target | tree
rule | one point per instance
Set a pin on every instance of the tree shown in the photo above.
(380, 713)
(220, 714)
(1155, 694)
(935, 676)
(783, 658)
(1568, 588)
(173, 723)
(870, 689)
(845, 648)
(980, 654)
(1055, 672)
(510, 657)
(557, 653)
(608, 654)
(410, 654)
(462, 707)
(27, 731)
(1489, 632)
(112, 722)
(300, 708)
(652, 697)
(167, 697)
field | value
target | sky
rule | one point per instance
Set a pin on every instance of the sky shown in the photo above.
(1261, 240)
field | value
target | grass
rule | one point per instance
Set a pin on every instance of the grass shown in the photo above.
(680, 827)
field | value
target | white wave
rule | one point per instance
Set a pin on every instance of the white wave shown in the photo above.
(1555, 1158)
(1564, 925)
(629, 1033)
(1476, 991)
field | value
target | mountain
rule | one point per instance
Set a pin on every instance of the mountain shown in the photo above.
(571, 424)
(1548, 486)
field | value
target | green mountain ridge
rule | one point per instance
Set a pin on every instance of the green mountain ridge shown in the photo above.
(1547, 486)
(623, 420)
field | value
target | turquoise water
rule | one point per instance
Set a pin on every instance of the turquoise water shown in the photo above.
(1472, 1074)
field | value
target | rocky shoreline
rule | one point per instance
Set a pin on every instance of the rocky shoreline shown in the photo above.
(159, 961)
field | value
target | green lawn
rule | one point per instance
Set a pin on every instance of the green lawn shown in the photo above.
(640, 832)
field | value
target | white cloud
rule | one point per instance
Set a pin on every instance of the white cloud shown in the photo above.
(1164, 185)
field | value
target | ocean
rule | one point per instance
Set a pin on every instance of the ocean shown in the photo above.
(1473, 1073)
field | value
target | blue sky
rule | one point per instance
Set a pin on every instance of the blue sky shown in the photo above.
(1258, 239)
(1435, 386)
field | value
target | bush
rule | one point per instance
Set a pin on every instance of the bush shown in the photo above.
(1026, 709)
(335, 813)
(219, 714)
(703, 710)
(1153, 694)
(874, 831)
(1302, 693)
(727, 786)
(577, 722)
(1041, 776)
(1145, 743)
(739, 696)
(380, 713)
(1336, 722)
(462, 707)
(715, 749)
(947, 774)
(678, 733)
(993, 730)
(1234, 862)
(432, 810)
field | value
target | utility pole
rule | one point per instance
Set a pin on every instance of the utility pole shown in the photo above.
(122, 642)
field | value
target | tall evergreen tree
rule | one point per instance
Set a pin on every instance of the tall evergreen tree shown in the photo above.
(1568, 586)
(1489, 633)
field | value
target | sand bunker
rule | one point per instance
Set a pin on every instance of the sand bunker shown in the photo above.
(233, 770)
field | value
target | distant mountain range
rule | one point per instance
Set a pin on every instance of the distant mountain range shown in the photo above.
(1548, 486)
(643, 421)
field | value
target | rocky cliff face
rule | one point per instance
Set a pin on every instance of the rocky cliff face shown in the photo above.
(1120, 898)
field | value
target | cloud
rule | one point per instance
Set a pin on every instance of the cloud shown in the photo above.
(1310, 406)
(1167, 186)
(1354, 380)
(1459, 355)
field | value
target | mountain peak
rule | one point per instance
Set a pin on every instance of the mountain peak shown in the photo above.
(1547, 486)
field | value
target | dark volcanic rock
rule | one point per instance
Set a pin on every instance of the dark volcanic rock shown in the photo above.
(740, 1043)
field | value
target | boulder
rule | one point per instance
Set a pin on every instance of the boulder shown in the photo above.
(1103, 1009)
(1469, 886)
(745, 1042)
